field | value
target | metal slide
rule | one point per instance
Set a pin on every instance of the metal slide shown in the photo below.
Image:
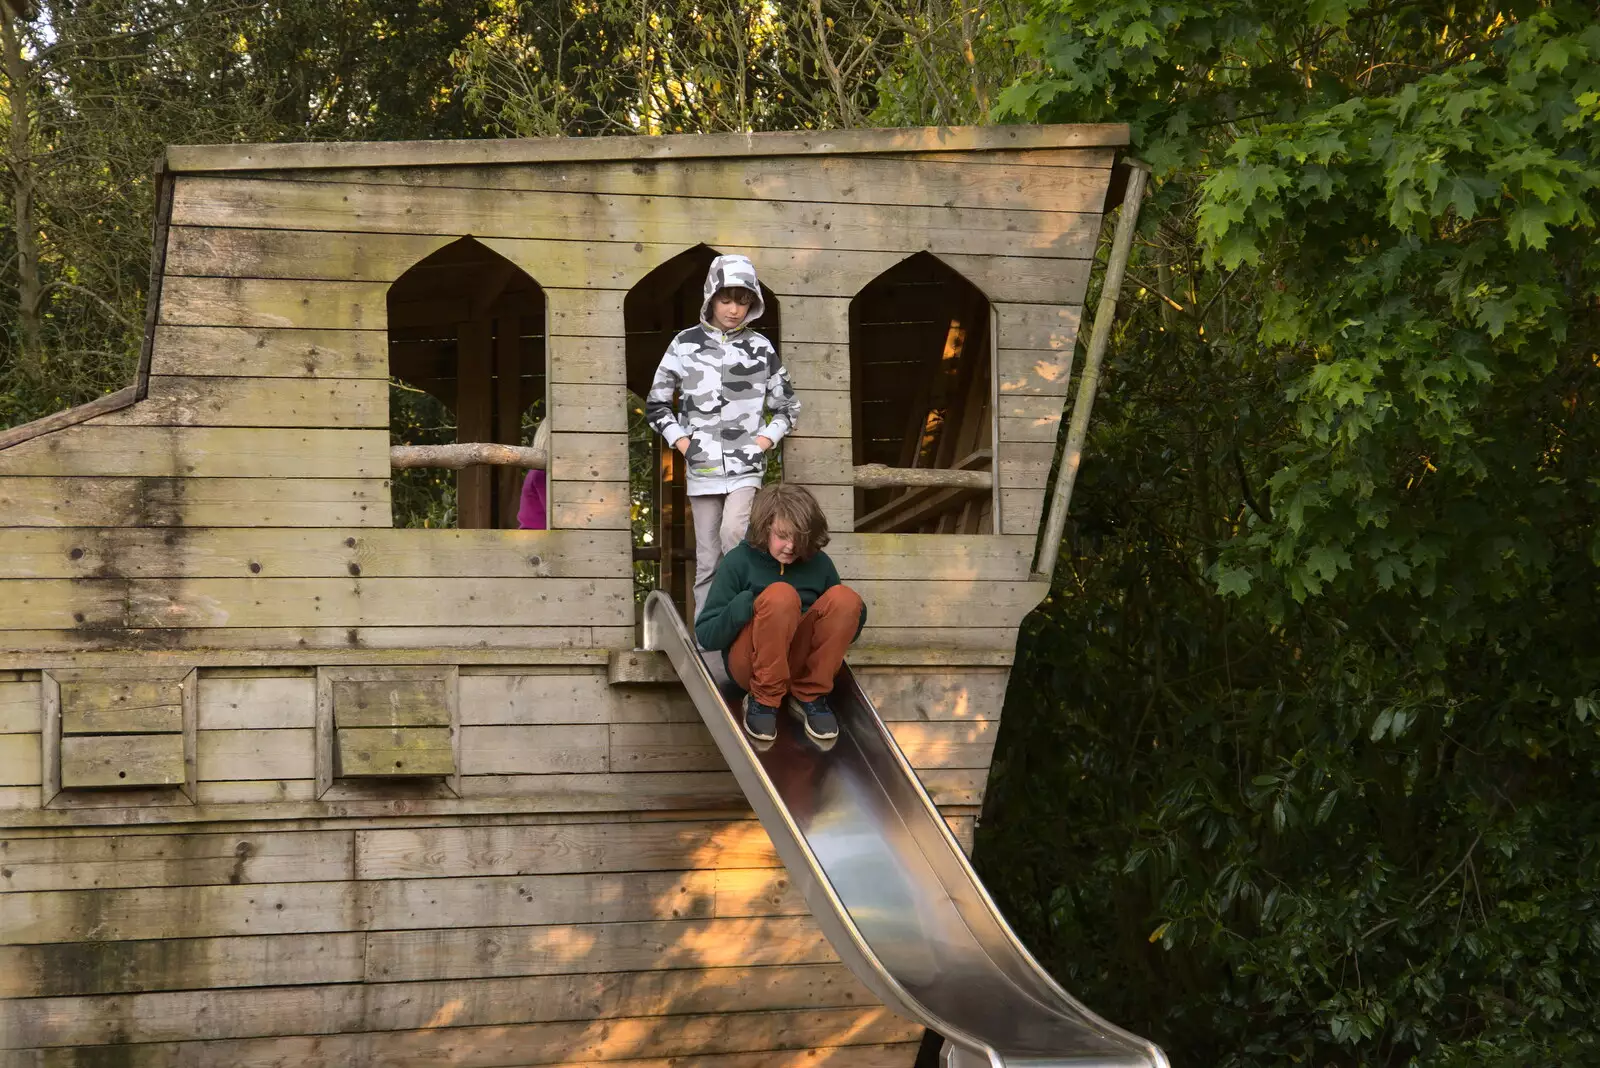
(889, 885)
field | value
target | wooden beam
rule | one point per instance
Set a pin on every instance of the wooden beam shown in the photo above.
(877, 476)
(467, 454)
(191, 158)
(111, 402)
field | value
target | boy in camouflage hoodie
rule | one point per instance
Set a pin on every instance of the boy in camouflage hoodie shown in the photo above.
(735, 403)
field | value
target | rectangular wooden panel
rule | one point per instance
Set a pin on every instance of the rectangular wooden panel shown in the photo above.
(19, 706)
(1068, 180)
(1043, 372)
(1035, 326)
(642, 150)
(122, 760)
(257, 703)
(190, 912)
(416, 904)
(308, 645)
(188, 452)
(818, 460)
(223, 1014)
(367, 752)
(19, 760)
(1050, 269)
(590, 505)
(493, 951)
(535, 698)
(255, 754)
(256, 402)
(950, 604)
(599, 361)
(404, 702)
(165, 502)
(960, 744)
(277, 303)
(966, 557)
(105, 861)
(806, 1035)
(596, 457)
(255, 792)
(78, 968)
(494, 213)
(549, 849)
(122, 707)
(1026, 464)
(1022, 511)
(664, 747)
(296, 602)
(269, 352)
(583, 697)
(933, 696)
(533, 750)
(202, 552)
(816, 366)
(586, 408)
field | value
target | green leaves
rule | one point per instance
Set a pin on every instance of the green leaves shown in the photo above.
(1320, 699)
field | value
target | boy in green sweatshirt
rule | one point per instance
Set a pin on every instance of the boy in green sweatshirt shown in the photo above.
(780, 615)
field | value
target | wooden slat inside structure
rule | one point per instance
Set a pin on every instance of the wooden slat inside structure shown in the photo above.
(922, 396)
(574, 876)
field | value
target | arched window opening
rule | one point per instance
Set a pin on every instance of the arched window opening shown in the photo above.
(922, 395)
(665, 301)
(466, 363)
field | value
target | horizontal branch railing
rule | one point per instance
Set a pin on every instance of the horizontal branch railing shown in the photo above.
(467, 454)
(877, 476)
(489, 454)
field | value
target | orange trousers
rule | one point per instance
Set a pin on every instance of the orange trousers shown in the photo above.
(785, 651)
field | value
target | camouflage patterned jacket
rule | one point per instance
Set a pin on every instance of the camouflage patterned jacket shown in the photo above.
(731, 388)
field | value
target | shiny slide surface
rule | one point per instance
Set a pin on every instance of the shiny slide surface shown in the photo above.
(890, 886)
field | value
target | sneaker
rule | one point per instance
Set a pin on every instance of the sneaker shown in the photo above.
(818, 718)
(760, 721)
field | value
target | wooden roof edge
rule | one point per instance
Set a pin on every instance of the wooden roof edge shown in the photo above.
(331, 154)
(111, 402)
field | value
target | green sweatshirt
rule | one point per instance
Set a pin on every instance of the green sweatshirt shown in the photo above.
(742, 575)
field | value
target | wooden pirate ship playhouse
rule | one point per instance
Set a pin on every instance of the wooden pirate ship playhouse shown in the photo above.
(309, 756)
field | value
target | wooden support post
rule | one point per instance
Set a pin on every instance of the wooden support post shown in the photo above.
(1078, 429)
(474, 422)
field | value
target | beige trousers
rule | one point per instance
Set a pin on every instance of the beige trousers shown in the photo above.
(720, 521)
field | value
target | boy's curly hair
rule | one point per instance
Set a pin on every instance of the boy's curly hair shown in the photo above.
(796, 507)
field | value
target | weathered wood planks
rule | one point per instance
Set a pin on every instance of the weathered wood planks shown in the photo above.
(170, 503)
(736, 147)
(495, 215)
(202, 451)
(304, 602)
(239, 552)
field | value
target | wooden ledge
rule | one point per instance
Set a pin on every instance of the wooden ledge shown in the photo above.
(640, 667)
(645, 667)
(311, 156)
(111, 402)
(313, 657)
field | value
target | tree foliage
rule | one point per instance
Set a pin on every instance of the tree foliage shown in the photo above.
(1301, 758)
(1315, 708)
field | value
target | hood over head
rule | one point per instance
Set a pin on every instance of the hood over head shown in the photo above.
(732, 272)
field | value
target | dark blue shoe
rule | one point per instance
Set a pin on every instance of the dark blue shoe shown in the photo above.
(760, 721)
(819, 720)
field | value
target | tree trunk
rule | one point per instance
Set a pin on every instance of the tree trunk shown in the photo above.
(20, 165)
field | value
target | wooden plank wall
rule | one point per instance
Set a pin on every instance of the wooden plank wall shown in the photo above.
(598, 892)
(270, 929)
(267, 397)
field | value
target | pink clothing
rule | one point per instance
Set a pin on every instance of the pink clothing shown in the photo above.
(535, 508)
